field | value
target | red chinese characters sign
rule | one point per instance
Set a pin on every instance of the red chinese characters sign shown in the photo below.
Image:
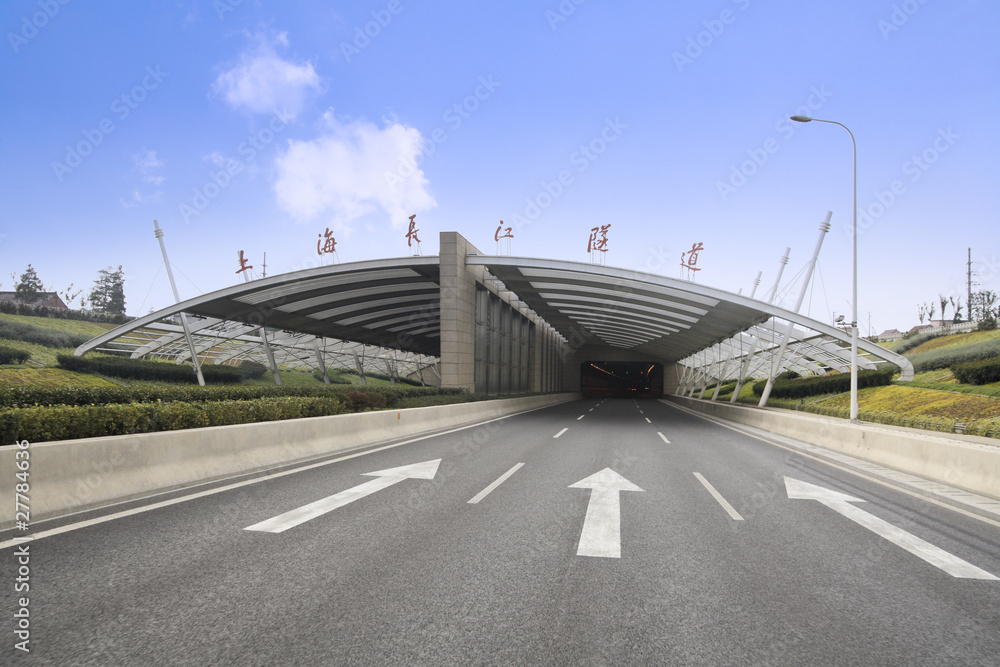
(598, 240)
(326, 244)
(692, 257)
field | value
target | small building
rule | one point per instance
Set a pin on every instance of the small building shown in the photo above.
(890, 335)
(47, 299)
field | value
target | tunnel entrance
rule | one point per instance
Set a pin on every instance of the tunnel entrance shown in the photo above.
(621, 379)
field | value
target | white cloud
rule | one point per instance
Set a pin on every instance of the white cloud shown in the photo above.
(263, 82)
(146, 163)
(354, 170)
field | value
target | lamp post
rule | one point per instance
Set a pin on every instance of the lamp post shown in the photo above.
(854, 299)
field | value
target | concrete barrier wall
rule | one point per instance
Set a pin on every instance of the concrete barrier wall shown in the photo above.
(72, 475)
(966, 462)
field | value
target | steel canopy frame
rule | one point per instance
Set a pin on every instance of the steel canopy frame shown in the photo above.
(387, 312)
(672, 320)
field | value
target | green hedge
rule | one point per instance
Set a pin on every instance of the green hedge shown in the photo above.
(40, 335)
(67, 422)
(157, 371)
(11, 308)
(11, 355)
(916, 340)
(827, 384)
(948, 356)
(13, 397)
(978, 372)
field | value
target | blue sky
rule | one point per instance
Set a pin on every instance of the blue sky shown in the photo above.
(256, 126)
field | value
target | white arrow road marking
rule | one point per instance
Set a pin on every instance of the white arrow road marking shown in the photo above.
(730, 510)
(500, 480)
(663, 437)
(841, 503)
(384, 479)
(561, 432)
(601, 535)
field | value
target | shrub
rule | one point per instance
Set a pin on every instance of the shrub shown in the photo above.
(135, 369)
(828, 384)
(13, 397)
(12, 308)
(40, 335)
(67, 422)
(949, 356)
(10, 355)
(915, 341)
(988, 324)
(983, 371)
(251, 370)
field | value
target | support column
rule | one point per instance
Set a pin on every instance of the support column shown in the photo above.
(458, 313)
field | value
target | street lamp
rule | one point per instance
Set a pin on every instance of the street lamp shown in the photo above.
(854, 300)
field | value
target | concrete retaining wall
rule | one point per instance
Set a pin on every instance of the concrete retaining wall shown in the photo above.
(71, 475)
(966, 462)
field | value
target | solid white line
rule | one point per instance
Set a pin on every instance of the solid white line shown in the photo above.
(718, 497)
(663, 437)
(647, 421)
(174, 501)
(500, 480)
(561, 432)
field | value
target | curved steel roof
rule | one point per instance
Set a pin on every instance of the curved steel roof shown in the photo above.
(664, 318)
(394, 304)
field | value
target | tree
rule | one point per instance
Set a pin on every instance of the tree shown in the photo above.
(69, 295)
(983, 305)
(108, 295)
(29, 286)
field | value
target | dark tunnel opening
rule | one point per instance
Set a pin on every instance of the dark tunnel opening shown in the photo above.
(621, 379)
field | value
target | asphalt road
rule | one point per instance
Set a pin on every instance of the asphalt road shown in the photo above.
(409, 572)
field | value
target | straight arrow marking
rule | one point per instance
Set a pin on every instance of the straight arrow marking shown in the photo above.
(841, 503)
(601, 535)
(384, 479)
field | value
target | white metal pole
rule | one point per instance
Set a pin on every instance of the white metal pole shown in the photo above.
(854, 296)
(187, 331)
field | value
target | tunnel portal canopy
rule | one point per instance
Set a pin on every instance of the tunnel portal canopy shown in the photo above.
(389, 312)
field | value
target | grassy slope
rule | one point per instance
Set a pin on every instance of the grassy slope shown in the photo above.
(69, 326)
(956, 340)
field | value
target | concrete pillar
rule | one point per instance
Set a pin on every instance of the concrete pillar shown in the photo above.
(458, 313)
